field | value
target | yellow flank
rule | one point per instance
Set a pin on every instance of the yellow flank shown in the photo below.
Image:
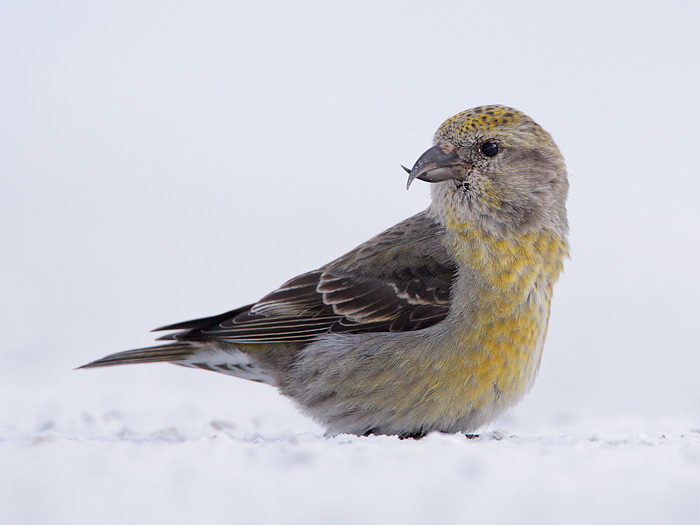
(492, 356)
(504, 333)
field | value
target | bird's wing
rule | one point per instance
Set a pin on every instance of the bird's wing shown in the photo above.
(398, 281)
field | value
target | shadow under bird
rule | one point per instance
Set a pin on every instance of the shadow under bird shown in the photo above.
(438, 323)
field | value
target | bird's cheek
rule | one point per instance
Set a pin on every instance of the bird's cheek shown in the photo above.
(486, 192)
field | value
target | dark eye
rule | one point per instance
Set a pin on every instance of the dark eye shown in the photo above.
(489, 148)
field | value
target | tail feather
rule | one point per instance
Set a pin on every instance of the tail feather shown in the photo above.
(151, 354)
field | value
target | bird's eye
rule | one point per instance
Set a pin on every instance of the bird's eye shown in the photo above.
(489, 148)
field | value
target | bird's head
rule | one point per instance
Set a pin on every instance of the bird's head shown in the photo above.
(495, 167)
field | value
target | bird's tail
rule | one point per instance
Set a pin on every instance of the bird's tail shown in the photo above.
(152, 354)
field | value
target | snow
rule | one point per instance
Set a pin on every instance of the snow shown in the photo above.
(162, 162)
(116, 468)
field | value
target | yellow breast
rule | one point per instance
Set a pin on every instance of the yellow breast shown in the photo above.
(502, 328)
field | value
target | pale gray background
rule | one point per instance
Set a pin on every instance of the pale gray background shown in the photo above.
(161, 161)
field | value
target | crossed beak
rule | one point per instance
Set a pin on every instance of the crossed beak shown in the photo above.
(438, 164)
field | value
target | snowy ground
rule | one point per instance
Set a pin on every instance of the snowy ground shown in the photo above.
(109, 468)
(164, 161)
(115, 467)
(209, 473)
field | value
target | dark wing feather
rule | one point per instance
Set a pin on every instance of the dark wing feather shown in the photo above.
(399, 281)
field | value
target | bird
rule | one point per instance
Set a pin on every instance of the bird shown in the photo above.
(436, 324)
